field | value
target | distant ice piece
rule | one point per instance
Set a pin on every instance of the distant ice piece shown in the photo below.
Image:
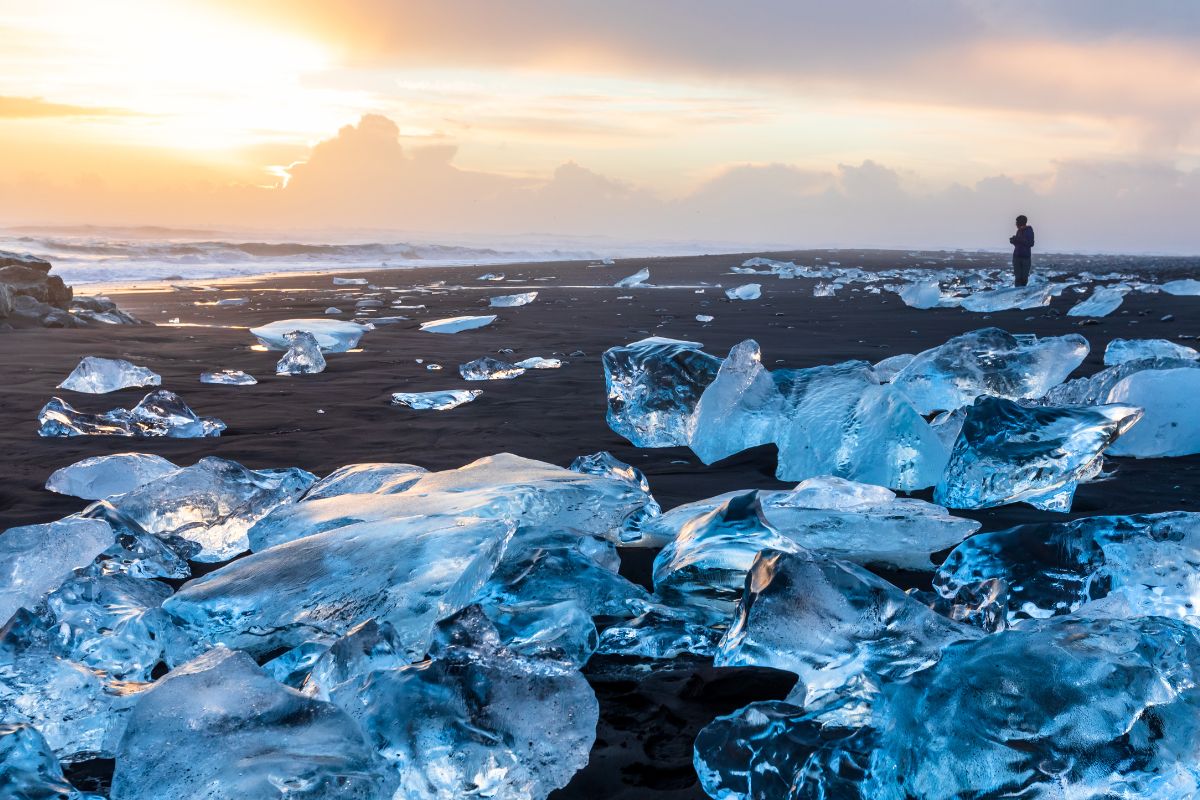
(160, 413)
(988, 361)
(349, 281)
(29, 768)
(435, 401)
(704, 318)
(36, 559)
(228, 377)
(1104, 301)
(332, 335)
(887, 369)
(747, 291)
(512, 300)
(1170, 425)
(103, 476)
(236, 733)
(489, 369)
(378, 478)
(212, 503)
(457, 324)
(921, 294)
(826, 289)
(103, 375)
(1120, 351)
(636, 279)
(491, 276)
(333, 310)
(1014, 297)
(653, 386)
(537, 362)
(303, 356)
(1184, 287)
(1009, 453)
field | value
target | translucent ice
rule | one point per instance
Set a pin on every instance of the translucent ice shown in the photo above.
(491, 276)
(160, 413)
(103, 375)
(303, 356)
(407, 571)
(102, 476)
(349, 281)
(232, 732)
(886, 369)
(537, 362)
(228, 377)
(1169, 425)
(1120, 351)
(212, 503)
(606, 465)
(636, 279)
(379, 478)
(747, 291)
(332, 335)
(36, 559)
(740, 409)
(489, 369)
(988, 361)
(1103, 301)
(921, 294)
(1184, 287)
(457, 324)
(511, 300)
(1018, 297)
(653, 387)
(1009, 453)
(435, 401)
(29, 769)
(704, 318)
(661, 632)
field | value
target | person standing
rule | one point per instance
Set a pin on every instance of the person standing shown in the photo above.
(1022, 242)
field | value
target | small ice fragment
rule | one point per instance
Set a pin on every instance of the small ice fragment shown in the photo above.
(160, 413)
(636, 279)
(1120, 351)
(1186, 286)
(921, 294)
(303, 356)
(491, 276)
(513, 300)
(349, 281)
(457, 324)
(1012, 297)
(747, 291)
(489, 369)
(103, 476)
(537, 362)
(1104, 301)
(433, 367)
(103, 375)
(704, 318)
(332, 335)
(233, 302)
(333, 310)
(228, 377)
(435, 401)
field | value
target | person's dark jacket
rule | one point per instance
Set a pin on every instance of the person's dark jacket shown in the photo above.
(1022, 242)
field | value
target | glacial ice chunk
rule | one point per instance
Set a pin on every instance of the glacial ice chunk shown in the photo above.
(212, 503)
(1121, 351)
(606, 465)
(489, 369)
(1103, 301)
(303, 356)
(376, 478)
(435, 401)
(219, 728)
(103, 375)
(36, 559)
(349, 281)
(740, 409)
(747, 291)
(636, 279)
(661, 632)
(513, 300)
(1169, 425)
(28, 768)
(103, 476)
(491, 276)
(886, 369)
(1182, 288)
(1013, 297)
(988, 361)
(921, 294)
(332, 335)
(160, 413)
(457, 324)
(704, 318)
(653, 387)
(228, 377)
(1009, 453)
(537, 362)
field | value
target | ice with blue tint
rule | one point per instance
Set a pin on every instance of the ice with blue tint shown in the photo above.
(1124, 566)
(477, 720)
(332, 335)
(1170, 425)
(435, 401)
(457, 324)
(159, 414)
(407, 571)
(1120, 351)
(636, 279)
(135, 551)
(488, 368)
(513, 300)
(219, 728)
(988, 361)
(1182, 288)
(661, 632)
(103, 476)
(538, 362)
(103, 375)
(1010, 453)
(747, 291)
(491, 276)
(303, 356)
(740, 409)
(1013, 297)
(370, 478)
(349, 281)
(921, 294)
(228, 377)
(606, 465)
(29, 769)
(653, 387)
(887, 369)
(1103, 301)
(212, 503)
(842, 630)
(36, 559)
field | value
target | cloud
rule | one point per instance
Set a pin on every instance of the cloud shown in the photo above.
(37, 108)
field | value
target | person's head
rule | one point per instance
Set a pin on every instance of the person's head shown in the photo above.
(1022, 221)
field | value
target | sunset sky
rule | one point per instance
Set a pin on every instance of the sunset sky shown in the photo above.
(860, 123)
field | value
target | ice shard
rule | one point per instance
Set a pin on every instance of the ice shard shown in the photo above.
(636, 279)
(747, 291)
(232, 733)
(653, 387)
(103, 476)
(36, 559)
(457, 324)
(303, 356)
(740, 409)
(160, 413)
(228, 377)
(606, 465)
(491, 276)
(513, 300)
(988, 361)
(29, 769)
(1103, 301)
(103, 375)
(921, 294)
(349, 281)
(407, 571)
(1010, 453)
(332, 335)
(537, 362)
(1013, 297)
(1121, 351)
(489, 369)
(212, 503)
(377, 478)
(435, 401)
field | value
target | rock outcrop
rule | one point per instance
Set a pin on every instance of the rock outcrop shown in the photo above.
(31, 297)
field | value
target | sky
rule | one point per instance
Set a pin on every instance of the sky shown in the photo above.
(928, 123)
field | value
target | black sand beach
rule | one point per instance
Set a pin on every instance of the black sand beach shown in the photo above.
(342, 416)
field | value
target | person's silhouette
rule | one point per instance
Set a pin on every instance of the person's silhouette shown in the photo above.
(1022, 242)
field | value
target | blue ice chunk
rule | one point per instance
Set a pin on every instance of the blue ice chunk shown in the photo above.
(653, 386)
